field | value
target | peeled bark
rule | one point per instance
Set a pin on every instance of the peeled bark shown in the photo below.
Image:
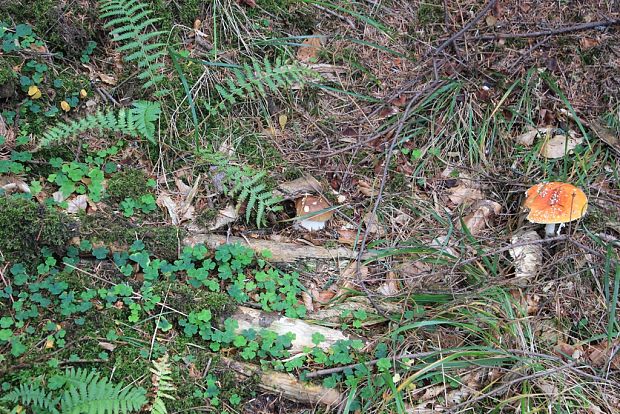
(280, 252)
(249, 318)
(284, 384)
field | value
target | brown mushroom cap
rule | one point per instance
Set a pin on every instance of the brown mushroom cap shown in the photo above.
(554, 203)
(309, 204)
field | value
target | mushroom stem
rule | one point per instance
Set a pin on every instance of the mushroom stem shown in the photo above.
(549, 230)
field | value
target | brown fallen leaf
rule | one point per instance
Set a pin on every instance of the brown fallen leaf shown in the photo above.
(249, 3)
(164, 201)
(309, 49)
(303, 185)
(491, 20)
(110, 80)
(602, 354)
(482, 215)
(390, 286)
(227, 215)
(366, 188)
(588, 42)
(372, 224)
(347, 236)
(528, 138)
(560, 145)
(324, 296)
(464, 194)
(6, 132)
(307, 299)
(606, 135)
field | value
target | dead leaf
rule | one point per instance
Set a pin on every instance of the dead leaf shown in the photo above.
(194, 372)
(528, 138)
(390, 287)
(527, 257)
(464, 194)
(588, 42)
(387, 111)
(600, 355)
(372, 224)
(110, 80)
(347, 236)
(65, 106)
(183, 188)
(366, 188)
(225, 216)
(309, 49)
(164, 201)
(303, 185)
(605, 134)
(83, 93)
(282, 120)
(560, 145)
(562, 349)
(482, 215)
(10, 184)
(491, 20)
(249, 3)
(77, 203)
(107, 346)
(49, 343)
(324, 296)
(58, 196)
(6, 132)
(307, 299)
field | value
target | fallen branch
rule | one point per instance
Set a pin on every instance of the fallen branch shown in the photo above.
(551, 32)
(465, 28)
(280, 252)
(249, 318)
(284, 384)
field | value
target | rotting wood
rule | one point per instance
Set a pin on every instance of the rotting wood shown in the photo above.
(249, 318)
(281, 252)
(284, 384)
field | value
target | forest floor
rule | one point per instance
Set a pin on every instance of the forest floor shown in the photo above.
(160, 241)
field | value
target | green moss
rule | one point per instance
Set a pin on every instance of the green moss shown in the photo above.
(259, 152)
(161, 241)
(430, 12)
(206, 216)
(27, 227)
(129, 183)
(181, 11)
(185, 298)
(42, 167)
(61, 26)
(6, 73)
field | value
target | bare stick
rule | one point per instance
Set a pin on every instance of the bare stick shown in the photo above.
(465, 28)
(551, 32)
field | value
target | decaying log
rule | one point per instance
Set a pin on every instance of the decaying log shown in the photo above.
(284, 384)
(249, 318)
(280, 252)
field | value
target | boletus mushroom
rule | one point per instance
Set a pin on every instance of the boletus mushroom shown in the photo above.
(555, 203)
(309, 204)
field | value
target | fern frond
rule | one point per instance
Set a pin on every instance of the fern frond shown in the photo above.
(102, 397)
(162, 382)
(131, 22)
(139, 121)
(258, 79)
(33, 396)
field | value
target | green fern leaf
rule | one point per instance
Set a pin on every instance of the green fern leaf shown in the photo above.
(131, 22)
